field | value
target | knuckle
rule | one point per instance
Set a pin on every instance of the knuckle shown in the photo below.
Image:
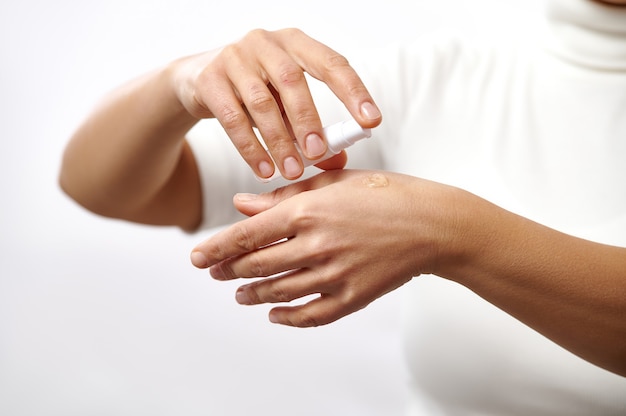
(232, 118)
(304, 117)
(318, 243)
(261, 292)
(287, 33)
(303, 319)
(302, 216)
(214, 253)
(291, 32)
(246, 148)
(226, 271)
(260, 99)
(319, 250)
(232, 52)
(351, 300)
(356, 88)
(242, 239)
(348, 297)
(255, 34)
(290, 74)
(277, 145)
(280, 194)
(256, 265)
(253, 295)
(278, 294)
(336, 61)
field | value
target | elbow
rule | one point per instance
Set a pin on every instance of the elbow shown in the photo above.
(68, 187)
(65, 179)
(77, 190)
(72, 179)
(64, 182)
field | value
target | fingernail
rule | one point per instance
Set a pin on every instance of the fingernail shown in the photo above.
(245, 197)
(314, 146)
(273, 316)
(266, 169)
(242, 297)
(198, 259)
(292, 167)
(370, 111)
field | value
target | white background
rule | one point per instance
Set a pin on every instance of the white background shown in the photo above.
(102, 317)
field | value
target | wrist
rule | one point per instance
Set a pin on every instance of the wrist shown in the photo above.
(170, 81)
(184, 75)
(467, 235)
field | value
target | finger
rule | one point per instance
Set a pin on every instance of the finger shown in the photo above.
(284, 288)
(334, 69)
(269, 260)
(242, 237)
(263, 262)
(267, 117)
(288, 80)
(225, 105)
(319, 311)
(275, 85)
(252, 204)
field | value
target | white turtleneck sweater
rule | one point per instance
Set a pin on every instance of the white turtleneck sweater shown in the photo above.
(537, 126)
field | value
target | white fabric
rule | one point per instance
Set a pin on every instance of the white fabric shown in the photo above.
(537, 126)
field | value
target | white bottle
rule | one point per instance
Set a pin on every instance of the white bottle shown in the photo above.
(338, 136)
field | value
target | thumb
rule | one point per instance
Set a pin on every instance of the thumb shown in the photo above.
(336, 162)
(252, 204)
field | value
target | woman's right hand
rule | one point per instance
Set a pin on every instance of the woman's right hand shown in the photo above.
(259, 82)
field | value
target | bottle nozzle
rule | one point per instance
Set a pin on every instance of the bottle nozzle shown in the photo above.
(338, 136)
(343, 134)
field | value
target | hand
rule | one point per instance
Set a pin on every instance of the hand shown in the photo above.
(259, 82)
(349, 236)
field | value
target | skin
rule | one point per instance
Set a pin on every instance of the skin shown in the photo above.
(612, 2)
(129, 160)
(571, 290)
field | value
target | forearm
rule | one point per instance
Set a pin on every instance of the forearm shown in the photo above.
(571, 290)
(129, 159)
(129, 149)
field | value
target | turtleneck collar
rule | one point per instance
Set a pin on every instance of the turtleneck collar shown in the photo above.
(588, 33)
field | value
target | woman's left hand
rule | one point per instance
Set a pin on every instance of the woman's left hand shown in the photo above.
(349, 236)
